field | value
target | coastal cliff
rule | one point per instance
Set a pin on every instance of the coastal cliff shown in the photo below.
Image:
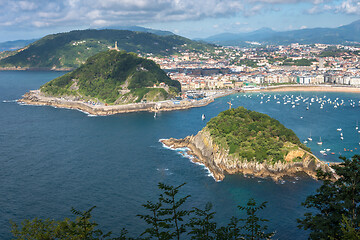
(219, 159)
(219, 162)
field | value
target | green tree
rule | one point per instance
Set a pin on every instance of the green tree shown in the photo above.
(83, 228)
(202, 226)
(336, 202)
(167, 216)
(253, 228)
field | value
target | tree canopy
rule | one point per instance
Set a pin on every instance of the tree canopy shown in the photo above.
(250, 135)
(336, 204)
(106, 73)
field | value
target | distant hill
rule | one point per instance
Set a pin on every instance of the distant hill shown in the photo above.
(115, 77)
(344, 34)
(140, 29)
(13, 45)
(71, 49)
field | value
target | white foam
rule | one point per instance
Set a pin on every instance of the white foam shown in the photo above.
(9, 101)
(184, 153)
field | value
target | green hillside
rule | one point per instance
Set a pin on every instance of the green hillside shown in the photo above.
(114, 77)
(71, 49)
(249, 135)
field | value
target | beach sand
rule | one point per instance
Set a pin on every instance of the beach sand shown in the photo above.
(312, 88)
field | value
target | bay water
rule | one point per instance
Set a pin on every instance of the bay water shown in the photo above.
(53, 159)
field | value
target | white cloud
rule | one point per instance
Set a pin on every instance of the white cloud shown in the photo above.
(349, 7)
(27, 5)
(45, 13)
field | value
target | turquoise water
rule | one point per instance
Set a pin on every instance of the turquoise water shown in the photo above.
(54, 159)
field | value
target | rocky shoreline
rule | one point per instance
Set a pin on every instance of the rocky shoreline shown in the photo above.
(220, 163)
(35, 97)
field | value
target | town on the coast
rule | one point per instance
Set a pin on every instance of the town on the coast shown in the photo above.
(250, 67)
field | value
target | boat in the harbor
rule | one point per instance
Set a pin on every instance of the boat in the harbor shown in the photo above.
(319, 142)
(309, 138)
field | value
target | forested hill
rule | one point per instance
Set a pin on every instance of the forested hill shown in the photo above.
(71, 49)
(250, 135)
(115, 77)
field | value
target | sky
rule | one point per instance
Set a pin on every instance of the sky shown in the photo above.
(29, 19)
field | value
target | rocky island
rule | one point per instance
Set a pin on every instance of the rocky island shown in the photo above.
(113, 82)
(248, 142)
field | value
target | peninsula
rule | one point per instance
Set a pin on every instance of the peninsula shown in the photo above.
(248, 142)
(113, 82)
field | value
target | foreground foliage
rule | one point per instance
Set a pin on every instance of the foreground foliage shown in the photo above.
(336, 204)
(250, 135)
(166, 218)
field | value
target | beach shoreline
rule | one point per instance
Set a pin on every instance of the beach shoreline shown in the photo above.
(306, 88)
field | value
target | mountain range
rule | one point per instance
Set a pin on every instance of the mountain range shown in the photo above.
(13, 45)
(344, 34)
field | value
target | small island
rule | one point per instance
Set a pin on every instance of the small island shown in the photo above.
(243, 141)
(113, 82)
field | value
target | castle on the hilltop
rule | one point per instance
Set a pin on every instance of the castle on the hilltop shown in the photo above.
(116, 47)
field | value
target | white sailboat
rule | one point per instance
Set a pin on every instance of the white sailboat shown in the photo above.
(203, 117)
(319, 142)
(309, 138)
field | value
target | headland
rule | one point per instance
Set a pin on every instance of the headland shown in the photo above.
(249, 143)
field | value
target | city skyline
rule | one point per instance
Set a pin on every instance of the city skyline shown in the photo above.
(200, 19)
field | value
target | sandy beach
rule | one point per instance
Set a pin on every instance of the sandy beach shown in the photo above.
(310, 88)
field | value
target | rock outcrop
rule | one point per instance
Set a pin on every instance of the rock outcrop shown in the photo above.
(219, 162)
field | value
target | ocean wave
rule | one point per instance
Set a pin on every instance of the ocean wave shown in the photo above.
(9, 101)
(164, 171)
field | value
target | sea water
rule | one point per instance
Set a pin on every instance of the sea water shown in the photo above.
(53, 159)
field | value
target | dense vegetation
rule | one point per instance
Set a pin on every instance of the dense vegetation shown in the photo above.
(336, 204)
(249, 135)
(298, 62)
(71, 49)
(104, 75)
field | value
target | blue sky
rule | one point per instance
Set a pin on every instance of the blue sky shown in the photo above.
(27, 19)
